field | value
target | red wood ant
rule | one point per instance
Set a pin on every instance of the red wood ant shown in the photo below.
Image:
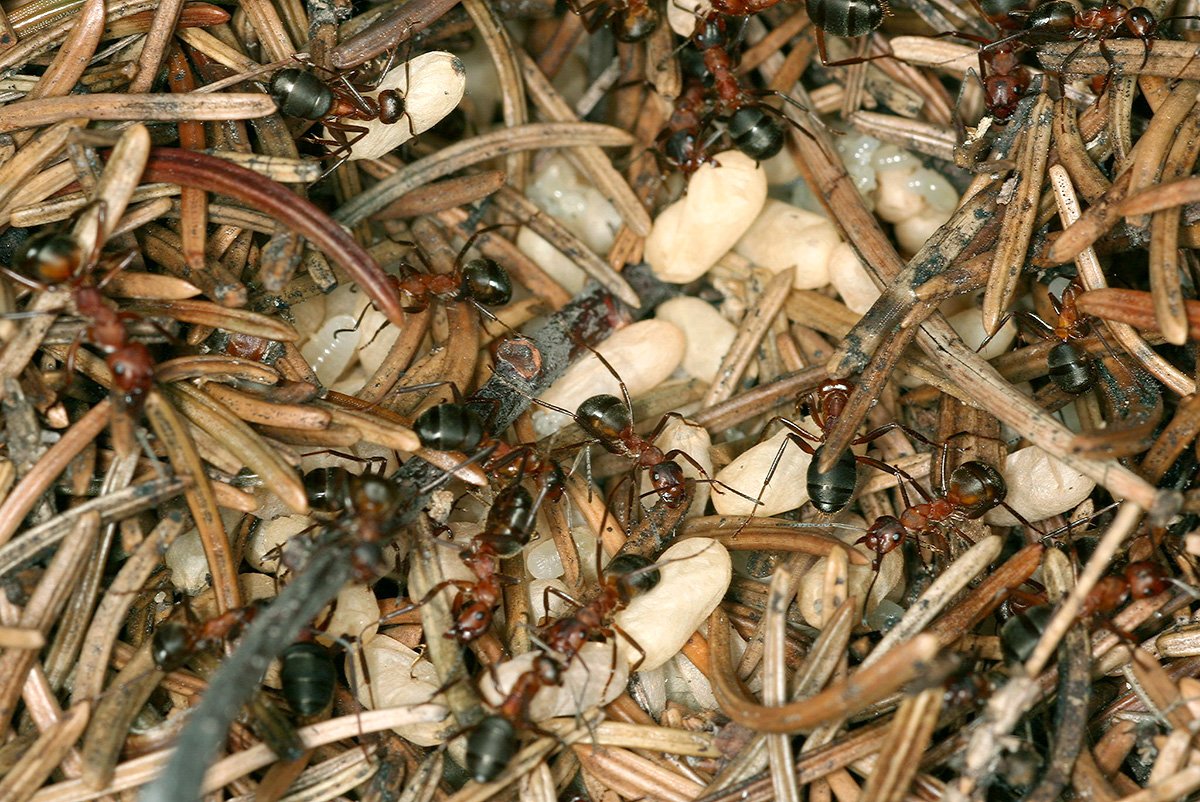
(173, 643)
(1005, 79)
(478, 281)
(1069, 366)
(680, 143)
(630, 21)
(57, 259)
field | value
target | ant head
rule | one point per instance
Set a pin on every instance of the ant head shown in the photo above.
(680, 148)
(668, 479)
(603, 416)
(169, 645)
(756, 133)
(300, 94)
(710, 32)
(884, 535)
(634, 574)
(486, 281)
(634, 25)
(51, 257)
(1141, 22)
(450, 427)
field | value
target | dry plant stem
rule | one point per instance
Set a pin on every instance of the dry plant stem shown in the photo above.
(1093, 278)
(1165, 281)
(756, 534)
(899, 666)
(19, 350)
(73, 57)
(512, 88)
(594, 162)
(462, 155)
(633, 776)
(1174, 439)
(193, 202)
(216, 175)
(987, 595)
(1020, 215)
(1073, 155)
(253, 409)
(779, 747)
(759, 400)
(399, 356)
(444, 195)
(523, 209)
(1166, 59)
(33, 156)
(118, 598)
(1123, 524)
(908, 738)
(754, 325)
(113, 716)
(1132, 307)
(154, 46)
(43, 608)
(166, 108)
(22, 498)
(200, 497)
(924, 138)
(40, 761)
(388, 33)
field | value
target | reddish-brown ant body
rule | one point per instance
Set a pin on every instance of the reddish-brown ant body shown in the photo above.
(1140, 580)
(173, 643)
(630, 21)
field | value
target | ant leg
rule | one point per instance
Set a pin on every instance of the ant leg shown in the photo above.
(31, 283)
(377, 460)
(562, 594)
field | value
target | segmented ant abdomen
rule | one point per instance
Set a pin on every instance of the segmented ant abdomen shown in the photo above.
(1051, 22)
(327, 488)
(1021, 633)
(491, 746)
(633, 574)
(832, 490)
(486, 281)
(50, 257)
(301, 94)
(977, 488)
(635, 24)
(605, 417)
(450, 427)
(1070, 368)
(307, 678)
(847, 18)
(510, 521)
(1145, 579)
(170, 645)
(756, 133)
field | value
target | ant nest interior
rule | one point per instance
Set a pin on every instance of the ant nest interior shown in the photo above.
(716, 400)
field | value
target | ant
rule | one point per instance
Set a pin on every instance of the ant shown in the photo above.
(307, 678)
(974, 489)
(680, 144)
(830, 491)
(299, 93)
(630, 21)
(478, 281)
(57, 259)
(755, 128)
(1005, 79)
(492, 744)
(174, 643)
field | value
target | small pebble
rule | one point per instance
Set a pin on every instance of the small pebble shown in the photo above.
(398, 677)
(695, 574)
(707, 333)
(438, 81)
(188, 566)
(1039, 486)
(786, 237)
(788, 488)
(721, 203)
(851, 280)
(642, 355)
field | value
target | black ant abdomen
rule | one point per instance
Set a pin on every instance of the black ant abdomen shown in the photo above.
(486, 281)
(51, 257)
(632, 574)
(510, 520)
(1050, 22)
(491, 745)
(605, 417)
(301, 94)
(327, 488)
(307, 677)
(450, 427)
(170, 646)
(977, 487)
(846, 18)
(832, 490)
(1070, 368)
(756, 133)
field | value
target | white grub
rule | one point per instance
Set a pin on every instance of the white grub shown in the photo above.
(1039, 486)
(355, 614)
(694, 441)
(540, 596)
(969, 325)
(438, 81)
(895, 200)
(690, 235)
(560, 191)
(398, 678)
(589, 681)
(683, 15)
(262, 547)
(786, 237)
(643, 355)
(188, 566)
(850, 278)
(543, 561)
(788, 488)
(566, 273)
(332, 349)
(694, 575)
(860, 578)
(707, 333)
(913, 233)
